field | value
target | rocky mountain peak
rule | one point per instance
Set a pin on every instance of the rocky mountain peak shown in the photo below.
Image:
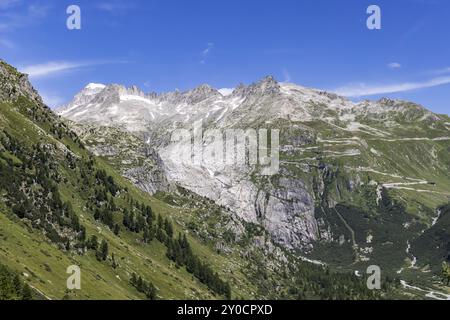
(135, 91)
(201, 93)
(14, 84)
(268, 82)
(266, 86)
(268, 79)
(240, 90)
(387, 102)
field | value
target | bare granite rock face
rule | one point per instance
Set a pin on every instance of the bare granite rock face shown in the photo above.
(287, 212)
(151, 177)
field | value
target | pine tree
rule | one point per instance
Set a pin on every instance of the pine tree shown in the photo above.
(67, 245)
(151, 233)
(26, 292)
(146, 236)
(160, 222)
(140, 284)
(150, 292)
(132, 223)
(17, 284)
(82, 234)
(93, 243)
(133, 279)
(103, 251)
(149, 213)
(126, 218)
(168, 228)
(140, 223)
(160, 235)
(116, 229)
(97, 214)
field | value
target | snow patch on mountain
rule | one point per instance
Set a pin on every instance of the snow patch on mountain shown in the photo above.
(226, 91)
(95, 86)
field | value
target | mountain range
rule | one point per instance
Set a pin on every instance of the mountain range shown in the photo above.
(359, 184)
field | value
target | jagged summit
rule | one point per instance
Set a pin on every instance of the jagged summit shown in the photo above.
(268, 81)
(266, 86)
(14, 84)
(201, 93)
(262, 101)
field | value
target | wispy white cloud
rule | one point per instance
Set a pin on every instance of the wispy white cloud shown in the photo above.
(58, 67)
(394, 65)
(226, 91)
(286, 75)
(362, 89)
(49, 68)
(206, 52)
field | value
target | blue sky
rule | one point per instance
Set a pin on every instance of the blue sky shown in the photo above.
(162, 45)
